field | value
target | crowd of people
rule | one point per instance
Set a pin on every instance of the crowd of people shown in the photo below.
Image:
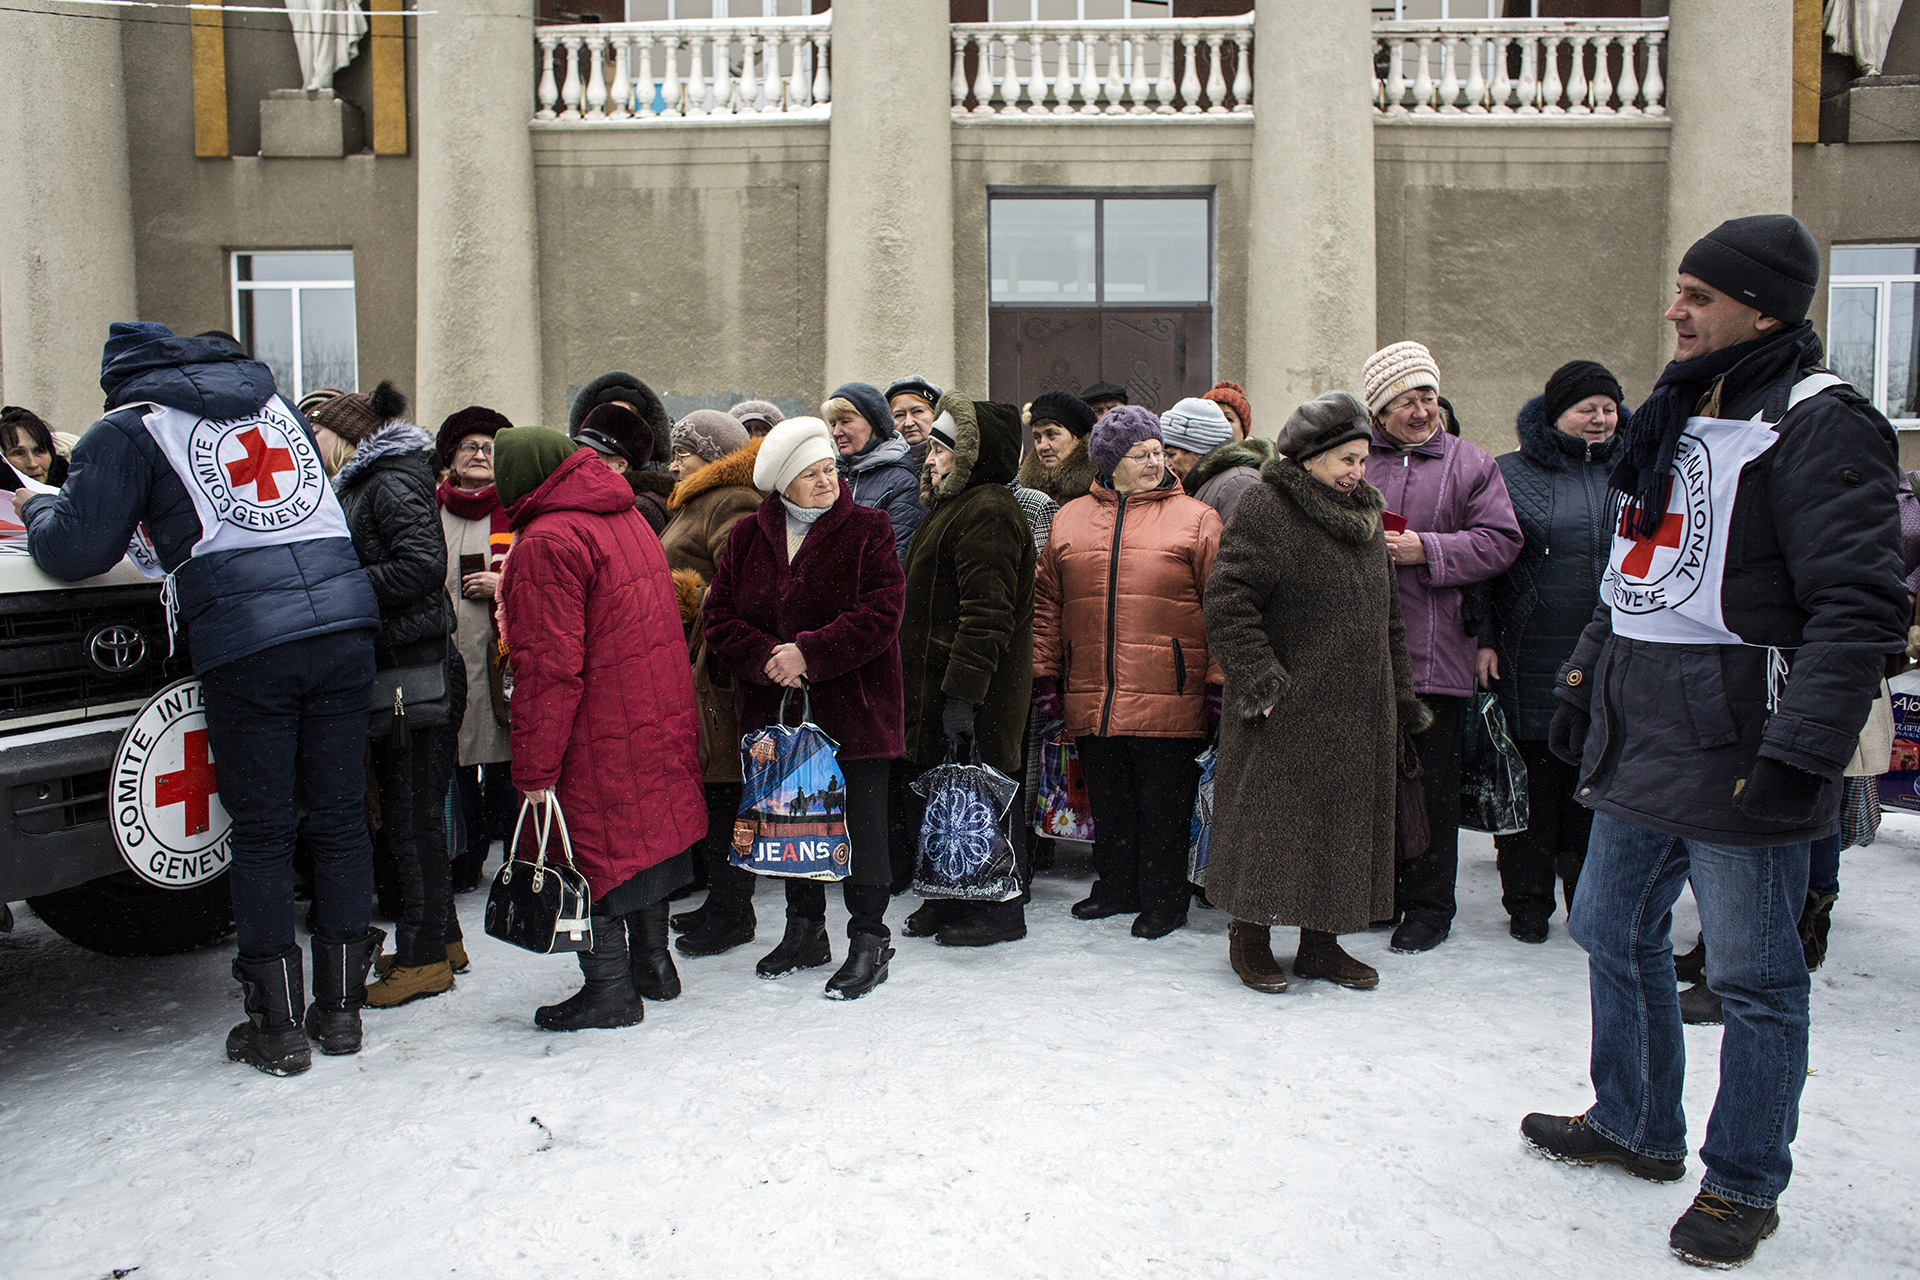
(940, 577)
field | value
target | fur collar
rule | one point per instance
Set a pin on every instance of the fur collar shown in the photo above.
(734, 469)
(1552, 449)
(1234, 453)
(1073, 478)
(966, 451)
(1353, 517)
(397, 439)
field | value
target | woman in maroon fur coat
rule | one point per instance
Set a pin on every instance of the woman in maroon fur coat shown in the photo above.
(807, 595)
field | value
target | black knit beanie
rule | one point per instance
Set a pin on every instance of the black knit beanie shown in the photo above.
(1769, 261)
(1574, 381)
(1065, 408)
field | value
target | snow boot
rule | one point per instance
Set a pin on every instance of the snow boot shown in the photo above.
(457, 958)
(1699, 1007)
(717, 932)
(1571, 1139)
(339, 990)
(274, 991)
(1416, 935)
(405, 983)
(1815, 920)
(1321, 956)
(608, 999)
(1719, 1233)
(932, 916)
(804, 947)
(1154, 925)
(688, 921)
(1094, 907)
(654, 976)
(865, 968)
(986, 924)
(1528, 928)
(1250, 952)
(1692, 967)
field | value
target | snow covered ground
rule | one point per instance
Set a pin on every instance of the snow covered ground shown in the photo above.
(1078, 1104)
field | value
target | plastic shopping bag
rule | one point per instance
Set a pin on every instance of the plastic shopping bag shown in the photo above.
(1200, 829)
(966, 842)
(793, 802)
(1061, 808)
(1493, 778)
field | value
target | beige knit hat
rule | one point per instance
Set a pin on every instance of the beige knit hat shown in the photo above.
(1392, 370)
(790, 448)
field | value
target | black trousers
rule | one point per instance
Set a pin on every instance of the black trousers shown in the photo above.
(1142, 792)
(868, 886)
(1554, 843)
(1423, 886)
(729, 888)
(415, 780)
(487, 805)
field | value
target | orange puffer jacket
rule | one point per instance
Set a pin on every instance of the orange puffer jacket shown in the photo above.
(1116, 615)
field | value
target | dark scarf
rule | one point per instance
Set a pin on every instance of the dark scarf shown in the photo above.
(475, 504)
(1647, 443)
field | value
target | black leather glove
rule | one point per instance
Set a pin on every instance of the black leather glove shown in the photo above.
(1567, 735)
(1778, 792)
(956, 721)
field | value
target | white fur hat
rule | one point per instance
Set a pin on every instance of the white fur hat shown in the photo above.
(1392, 370)
(788, 449)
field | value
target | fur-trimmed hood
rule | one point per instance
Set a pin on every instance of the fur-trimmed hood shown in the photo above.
(1251, 452)
(650, 405)
(734, 469)
(986, 447)
(1353, 517)
(1545, 445)
(966, 449)
(397, 439)
(1073, 478)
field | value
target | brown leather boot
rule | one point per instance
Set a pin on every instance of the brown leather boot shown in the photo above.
(1320, 956)
(1250, 952)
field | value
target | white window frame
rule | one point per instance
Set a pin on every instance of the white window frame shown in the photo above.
(300, 387)
(1882, 322)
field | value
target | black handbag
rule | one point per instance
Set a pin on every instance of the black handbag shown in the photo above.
(406, 698)
(540, 907)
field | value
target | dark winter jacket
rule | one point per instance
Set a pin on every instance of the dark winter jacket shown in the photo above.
(387, 490)
(231, 603)
(1073, 478)
(1220, 478)
(1539, 606)
(839, 601)
(1303, 615)
(602, 698)
(967, 630)
(1813, 571)
(883, 478)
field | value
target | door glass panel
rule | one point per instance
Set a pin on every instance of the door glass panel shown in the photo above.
(1903, 354)
(327, 355)
(295, 266)
(1850, 318)
(266, 331)
(1041, 250)
(1884, 260)
(1156, 251)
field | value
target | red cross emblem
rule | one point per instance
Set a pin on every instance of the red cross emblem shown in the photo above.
(1639, 561)
(193, 784)
(258, 467)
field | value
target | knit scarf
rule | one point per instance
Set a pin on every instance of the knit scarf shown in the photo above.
(475, 504)
(1647, 443)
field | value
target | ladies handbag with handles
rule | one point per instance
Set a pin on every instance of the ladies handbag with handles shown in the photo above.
(543, 909)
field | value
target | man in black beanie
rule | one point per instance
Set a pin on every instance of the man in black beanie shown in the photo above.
(1751, 600)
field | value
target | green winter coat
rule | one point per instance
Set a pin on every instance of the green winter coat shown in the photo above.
(967, 630)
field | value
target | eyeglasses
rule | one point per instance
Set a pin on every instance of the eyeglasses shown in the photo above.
(1150, 456)
(473, 447)
(681, 455)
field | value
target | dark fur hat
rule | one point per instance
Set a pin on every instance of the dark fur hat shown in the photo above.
(625, 387)
(472, 420)
(1065, 408)
(614, 428)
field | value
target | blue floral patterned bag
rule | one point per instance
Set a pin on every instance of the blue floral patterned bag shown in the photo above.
(966, 842)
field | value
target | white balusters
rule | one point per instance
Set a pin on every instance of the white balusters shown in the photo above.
(1190, 78)
(619, 96)
(549, 92)
(1115, 88)
(799, 84)
(1550, 79)
(822, 88)
(983, 78)
(1396, 83)
(1653, 89)
(643, 78)
(1629, 78)
(1449, 79)
(596, 87)
(1501, 90)
(1476, 73)
(1494, 51)
(1216, 79)
(1528, 87)
(570, 91)
(1422, 80)
(1164, 88)
(1138, 86)
(1577, 87)
(1242, 73)
(670, 82)
(1040, 100)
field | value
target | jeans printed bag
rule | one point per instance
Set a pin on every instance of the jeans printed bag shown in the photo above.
(793, 802)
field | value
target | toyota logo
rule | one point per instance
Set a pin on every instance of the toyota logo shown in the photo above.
(117, 648)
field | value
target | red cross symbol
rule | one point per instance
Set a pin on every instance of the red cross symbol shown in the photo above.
(192, 785)
(259, 466)
(1639, 561)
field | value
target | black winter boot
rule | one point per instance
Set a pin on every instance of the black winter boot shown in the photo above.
(275, 994)
(686, 921)
(804, 947)
(1815, 920)
(717, 932)
(653, 973)
(1692, 966)
(1699, 1007)
(608, 999)
(986, 924)
(1719, 1233)
(340, 990)
(933, 915)
(865, 969)
(1569, 1138)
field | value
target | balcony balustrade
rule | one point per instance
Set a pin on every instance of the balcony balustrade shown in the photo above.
(1592, 69)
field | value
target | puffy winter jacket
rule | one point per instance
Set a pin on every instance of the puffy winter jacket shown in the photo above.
(883, 478)
(231, 603)
(602, 696)
(1116, 615)
(1539, 606)
(387, 488)
(1455, 498)
(1220, 478)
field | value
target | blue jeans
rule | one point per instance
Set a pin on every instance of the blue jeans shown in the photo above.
(1750, 900)
(288, 725)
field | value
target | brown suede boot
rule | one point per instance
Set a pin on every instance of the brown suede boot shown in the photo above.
(457, 959)
(403, 983)
(1250, 952)
(1320, 956)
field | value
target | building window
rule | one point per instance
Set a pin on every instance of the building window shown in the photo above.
(1872, 340)
(1115, 251)
(293, 312)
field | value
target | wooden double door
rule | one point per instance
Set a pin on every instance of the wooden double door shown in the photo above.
(1158, 354)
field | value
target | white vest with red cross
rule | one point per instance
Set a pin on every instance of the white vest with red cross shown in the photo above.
(1666, 588)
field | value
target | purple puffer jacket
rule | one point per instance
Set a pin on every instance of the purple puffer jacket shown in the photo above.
(1454, 497)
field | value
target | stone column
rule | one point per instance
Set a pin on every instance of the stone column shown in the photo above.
(478, 330)
(66, 244)
(890, 194)
(1311, 300)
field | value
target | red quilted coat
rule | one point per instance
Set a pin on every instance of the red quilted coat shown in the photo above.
(602, 695)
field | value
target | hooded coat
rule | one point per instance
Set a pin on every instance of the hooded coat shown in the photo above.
(1220, 478)
(884, 476)
(231, 603)
(1072, 478)
(1304, 617)
(1539, 606)
(838, 600)
(387, 491)
(643, 398)
(967, 630)
(602, 697)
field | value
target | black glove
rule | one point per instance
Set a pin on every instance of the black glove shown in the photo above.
(1778, 792)
(1567, 735)
(956, 721)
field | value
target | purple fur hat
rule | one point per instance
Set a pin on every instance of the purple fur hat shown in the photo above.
(1115, 434)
